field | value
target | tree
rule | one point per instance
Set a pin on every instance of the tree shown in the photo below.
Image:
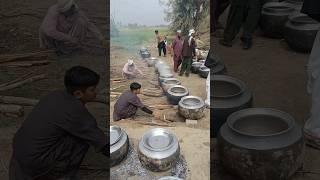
(185, 14)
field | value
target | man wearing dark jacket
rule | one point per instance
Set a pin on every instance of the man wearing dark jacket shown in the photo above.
(188, 52)
(53, 140)
(312, 126)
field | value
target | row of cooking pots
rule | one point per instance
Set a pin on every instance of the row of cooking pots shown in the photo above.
(253, 143)
(158, 149)
(284, 20)
(190, 107)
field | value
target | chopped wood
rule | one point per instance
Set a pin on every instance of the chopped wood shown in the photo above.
(116, 79)
(20, 83)
(16, 80)
(154, 124)
(111, 89)
(40, 55)
(12, 109)
(115, 93)
(26, 63)
(152, 94)
(18, 100)
(113, 96)
(11, 115)
(155, 83)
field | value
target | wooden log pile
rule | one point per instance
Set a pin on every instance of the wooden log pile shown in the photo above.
(26, 59)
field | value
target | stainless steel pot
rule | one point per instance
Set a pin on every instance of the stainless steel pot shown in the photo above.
(143, 49)
(164, 75)
(191, 107)
(159, 64)
(167, 83)
(145, 55)
(119, 145)
(151, 61)
(261, 144)
(175, 93)
(158, 149)
(195, 67)
(203, 71)
(170, 178)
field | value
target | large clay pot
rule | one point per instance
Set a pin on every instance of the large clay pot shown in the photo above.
(191, 107)
(145, 55)
(119, 145)
(261, 144)
(195, 67)
(167, 83)
(273, 18)
(229, 95)
(175, 93)
(300, 32)
(203, 71)
(158, 150)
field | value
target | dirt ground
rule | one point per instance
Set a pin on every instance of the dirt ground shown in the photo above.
(194, 141)
(19, 24)
(277, 76)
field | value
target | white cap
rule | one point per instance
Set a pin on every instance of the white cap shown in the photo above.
(130, 62)
(179, 31)
(191, 31)
(65, 5)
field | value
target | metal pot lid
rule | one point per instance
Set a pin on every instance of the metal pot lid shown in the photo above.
(170, 178)
(115, 134)
(158, 139)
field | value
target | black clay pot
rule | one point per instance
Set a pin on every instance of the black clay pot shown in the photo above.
(296, 4)
(274, 15)
(218, 68)
(195, 67)
(176, 93)
(229, 95)
(300, 32)
(203, 71)
(261, 144)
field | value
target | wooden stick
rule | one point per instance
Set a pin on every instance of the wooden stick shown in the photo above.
(16, 80)
(26, 63)
(29, 80)
(153, 124)
(111, 89)
(25, 56)
(115, 93)
(11, 109)
(161, 106)
(152, 94)
(18, 100)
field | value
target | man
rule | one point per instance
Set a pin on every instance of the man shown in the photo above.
(246, 13)
(177, 51)
(65, 28)
(188, 52)
(128, 104)
(130, 70)
(161, 43)
(53, 140)
(312, 126)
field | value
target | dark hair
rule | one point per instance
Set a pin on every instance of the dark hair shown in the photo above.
(80, 78)
(156, 31)
(135, 86)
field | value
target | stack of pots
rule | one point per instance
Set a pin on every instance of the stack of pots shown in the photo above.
(230, 95)
(273, 18)
(158, 150)
(300, 32)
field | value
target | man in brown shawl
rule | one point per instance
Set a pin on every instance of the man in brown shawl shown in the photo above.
(65, 28)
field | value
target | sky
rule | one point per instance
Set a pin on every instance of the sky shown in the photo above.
(143, 12)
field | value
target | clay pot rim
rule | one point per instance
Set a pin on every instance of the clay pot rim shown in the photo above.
(172, 79)
(158, 130)
(178, 94)
(270, 7)
(261, 111)
(231, 80)
(293, 19)
(196, 106)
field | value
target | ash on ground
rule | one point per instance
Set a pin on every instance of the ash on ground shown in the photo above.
(131, 168)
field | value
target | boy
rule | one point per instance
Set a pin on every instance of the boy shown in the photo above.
(53, 140)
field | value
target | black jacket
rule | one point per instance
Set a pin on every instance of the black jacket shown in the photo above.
(312, 9)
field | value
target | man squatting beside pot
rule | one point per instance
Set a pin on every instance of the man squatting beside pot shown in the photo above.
(177, 51)
(128, 104)
(65, 28)
(161, 45)
(188, 52)
(312, 126)
(130, 70)
(55, 137)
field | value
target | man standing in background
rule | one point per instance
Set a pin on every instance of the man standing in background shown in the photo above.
(161, 43)
(188, 52)
(177, 51)
(246, 13)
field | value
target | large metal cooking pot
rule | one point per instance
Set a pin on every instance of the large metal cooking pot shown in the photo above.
(145, 55)
(191, 107)
(203, 71)
(175, 93)
(300, 32)
(261, 144)
(143, 49)
(218, 68)
(195, 67)
(119, 145)
(158, 149)
(273, 18)
(159, 64)
(170, 178)
(229, 95)
(167, 83)
(151, 61)
(164, 75)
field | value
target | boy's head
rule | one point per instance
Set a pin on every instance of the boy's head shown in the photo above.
(156, 31)
(81, 82)
(135, 88)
